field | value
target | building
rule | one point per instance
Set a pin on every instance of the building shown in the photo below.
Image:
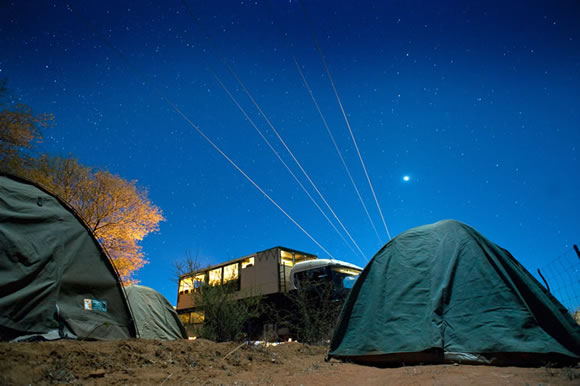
(264, 273)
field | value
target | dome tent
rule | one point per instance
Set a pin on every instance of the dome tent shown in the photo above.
(155, 318)
(55, 279)
(443, 293)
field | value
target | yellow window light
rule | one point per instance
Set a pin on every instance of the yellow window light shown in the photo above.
(198, 280)
(215, 277)
(184, 318)
(185, 284)
(231, 272)
(197, 317)
(249, 262)
(287, 258)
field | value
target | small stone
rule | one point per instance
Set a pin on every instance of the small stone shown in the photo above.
(97, 373)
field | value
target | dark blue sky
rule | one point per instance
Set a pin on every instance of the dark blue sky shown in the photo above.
(477, 102)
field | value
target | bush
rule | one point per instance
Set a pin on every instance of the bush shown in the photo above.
(313, 312)
(225, 316)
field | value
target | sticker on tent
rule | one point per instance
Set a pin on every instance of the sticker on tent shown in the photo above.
(95, 305)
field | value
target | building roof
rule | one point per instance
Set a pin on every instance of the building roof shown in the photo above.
(306, 265)
(209, 268)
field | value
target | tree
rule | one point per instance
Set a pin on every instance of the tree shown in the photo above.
(311, 312)
(226, 311)
(118, 212)
(20, 129)
(225, 315)
(186, 266)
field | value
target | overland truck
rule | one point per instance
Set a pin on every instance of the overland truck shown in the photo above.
(270, 274)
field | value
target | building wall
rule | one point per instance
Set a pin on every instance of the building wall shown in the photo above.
(267, 275)
(260, 278)
(263, 277)
(285, 278)
(184, 301)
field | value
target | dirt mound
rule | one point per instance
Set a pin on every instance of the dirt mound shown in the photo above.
(148, 361)
(202, 362)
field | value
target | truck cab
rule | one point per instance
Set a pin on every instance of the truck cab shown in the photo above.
(341, 274)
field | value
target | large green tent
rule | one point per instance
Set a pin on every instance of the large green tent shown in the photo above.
(155, 318)
(444, 293)
(55, 279)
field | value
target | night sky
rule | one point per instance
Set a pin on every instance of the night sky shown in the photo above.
(476, 103)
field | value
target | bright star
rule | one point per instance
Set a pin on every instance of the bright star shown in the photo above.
(406, 178)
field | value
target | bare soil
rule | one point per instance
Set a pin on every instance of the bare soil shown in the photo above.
(202, 362)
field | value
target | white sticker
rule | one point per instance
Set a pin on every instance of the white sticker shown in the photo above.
(95, 305)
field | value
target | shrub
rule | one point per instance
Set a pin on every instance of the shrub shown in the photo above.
(313, 312)
(225, 316)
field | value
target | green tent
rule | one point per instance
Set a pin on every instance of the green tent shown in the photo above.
(444, 293)
(55, 279)
(155, 318)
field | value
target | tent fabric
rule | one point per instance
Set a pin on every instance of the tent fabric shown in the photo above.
(55, 279)
(155, 317)
(444, 293)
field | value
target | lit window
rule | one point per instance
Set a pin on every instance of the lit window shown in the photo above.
(298, 257)
(197, 317)
(249, 262)
(198, 280)
(215, 277)
(185, 284)
(286, 258)
(184, 318)
(231, 272)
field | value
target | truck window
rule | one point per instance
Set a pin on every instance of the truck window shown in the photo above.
(312, 276)
(348, 281)
(344, 277)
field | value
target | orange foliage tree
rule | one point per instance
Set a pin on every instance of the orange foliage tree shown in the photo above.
(19, 129)
(117, 211)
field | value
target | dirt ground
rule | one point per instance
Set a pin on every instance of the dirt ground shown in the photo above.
(201, 362)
